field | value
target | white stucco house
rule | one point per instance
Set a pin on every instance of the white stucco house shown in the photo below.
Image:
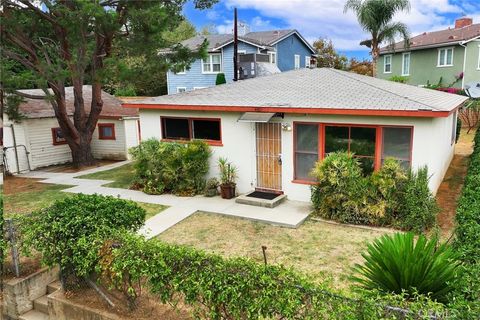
(36, 141)
(275, 128)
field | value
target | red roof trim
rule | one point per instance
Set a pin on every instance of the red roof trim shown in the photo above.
(360, 112)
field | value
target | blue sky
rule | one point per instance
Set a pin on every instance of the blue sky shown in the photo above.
(325, 18)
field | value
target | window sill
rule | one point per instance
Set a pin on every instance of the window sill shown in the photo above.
(209, 142)
(104, 138)
(308, 182)
(59, 143)
(405, 75)
(445, 66)
(387, 72)
(212, 72)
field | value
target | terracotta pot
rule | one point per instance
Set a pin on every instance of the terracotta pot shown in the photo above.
(227, 191)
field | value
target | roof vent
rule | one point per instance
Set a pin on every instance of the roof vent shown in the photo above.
(463, 22)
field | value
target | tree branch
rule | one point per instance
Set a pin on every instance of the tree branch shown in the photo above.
(29, 96)
(38, 11)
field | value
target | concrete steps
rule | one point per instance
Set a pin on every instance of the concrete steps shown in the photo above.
(259, 202)
(34, 315)
(41, 304)
(54, 286)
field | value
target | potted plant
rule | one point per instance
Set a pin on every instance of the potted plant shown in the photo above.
(228, 174)
(211, 189)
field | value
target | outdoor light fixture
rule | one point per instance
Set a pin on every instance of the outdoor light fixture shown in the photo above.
(286, 127)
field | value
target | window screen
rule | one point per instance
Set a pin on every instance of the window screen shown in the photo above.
(397, 144)
(306, 150)
(206, 129)
(176, 129)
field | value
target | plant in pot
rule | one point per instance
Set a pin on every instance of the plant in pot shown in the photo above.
(228, 174)
(211, 189)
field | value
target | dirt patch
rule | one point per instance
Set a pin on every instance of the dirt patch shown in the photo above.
(69, 168)
(28, 266)
(13, 185)
(451, 187)
(148, 308)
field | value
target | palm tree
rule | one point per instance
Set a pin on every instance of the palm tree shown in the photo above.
(375, 17)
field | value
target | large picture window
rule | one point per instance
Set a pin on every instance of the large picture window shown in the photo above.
(306, 150)
(191, 128)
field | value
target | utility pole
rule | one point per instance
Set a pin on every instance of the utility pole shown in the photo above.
(235, 45)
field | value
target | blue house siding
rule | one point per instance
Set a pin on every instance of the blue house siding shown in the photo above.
(194, 77)
(286, 51)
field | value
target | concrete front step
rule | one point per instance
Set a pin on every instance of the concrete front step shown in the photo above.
(34, 315)
(266, 203)
(54, 286)
(41, 304)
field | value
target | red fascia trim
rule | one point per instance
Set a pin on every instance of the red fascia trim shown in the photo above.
(359, 112)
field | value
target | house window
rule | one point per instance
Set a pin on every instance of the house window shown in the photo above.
(297, 61)
(454, 128)
(478, 65)
(306, 150)
(406, 64)
(181, 89)
(58, 137)
(359, 141)
(272, 57)
(191, 128)
(307, 62)
(106, 131)
(445, 57)
(213, 63)
(397, 144)
(387, 63)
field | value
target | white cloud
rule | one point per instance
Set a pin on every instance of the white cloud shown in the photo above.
(325, 18)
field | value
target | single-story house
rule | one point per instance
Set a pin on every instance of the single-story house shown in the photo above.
(37, 141)
(275, 128)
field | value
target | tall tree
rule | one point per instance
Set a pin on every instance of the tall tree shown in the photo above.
(375, 17)
(327, 56)
(361, 67)
(70, 42)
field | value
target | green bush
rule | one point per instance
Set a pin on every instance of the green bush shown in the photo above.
(171, 167)
(459, 129)
(418, 208)
(397, 263)
(400, 79)
(70, 232)
(235, 288)
(220, 79)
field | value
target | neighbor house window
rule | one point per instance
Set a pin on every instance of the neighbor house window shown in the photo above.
(387, 63)
(397, 144)
(212, 64)
(307, 62)
(272, 57)
(297, 61)
(106, 131)
(306, 150)
(454, 128)
(58, 137)
(445, 57)
(181, 89)
(406, 64)
(191, 128)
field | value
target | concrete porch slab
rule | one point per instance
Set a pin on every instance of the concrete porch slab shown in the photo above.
(258, 202)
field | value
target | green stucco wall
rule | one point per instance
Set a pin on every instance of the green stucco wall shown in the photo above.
(423, 66)
(472, 72)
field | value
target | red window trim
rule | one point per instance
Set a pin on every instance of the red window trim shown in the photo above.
(54, 137)
(106, 125)
(217, 143)
(321, 142)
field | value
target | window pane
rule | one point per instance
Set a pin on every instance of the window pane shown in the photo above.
(367, 164)
(216, 68)
(107, 132)
(215, 58)
(304, 163)
(176, 129)
(59, 134)
(442, 57)
(206, 66)
(336, 139)
(307, 137)
(449, 56)
(206, 129)
(363, 141)
(397, 143)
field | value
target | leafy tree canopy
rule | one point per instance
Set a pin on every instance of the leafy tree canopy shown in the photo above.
(327, 55)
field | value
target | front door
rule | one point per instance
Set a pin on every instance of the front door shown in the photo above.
(269, 156)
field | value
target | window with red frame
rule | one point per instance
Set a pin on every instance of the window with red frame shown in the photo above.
(106, 131)
(191, 128)
(58, 137)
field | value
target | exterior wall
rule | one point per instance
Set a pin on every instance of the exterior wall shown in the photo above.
(472, 72)
(423, 67)
(286, 51)
(21, 139)
(431, 144)
(132, 134)
(195, 78)
(36, 135)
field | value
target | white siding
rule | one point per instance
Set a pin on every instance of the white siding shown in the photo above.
(131, 133)
(110, 149)
(21, 139)
(431, 144)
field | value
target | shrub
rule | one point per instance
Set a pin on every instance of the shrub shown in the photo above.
(220, 79)
(399, 264)
(69, 232)
(171, 167)
(400, 79)
(418, 208)
(459, 129)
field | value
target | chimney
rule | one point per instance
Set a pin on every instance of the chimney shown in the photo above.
(463, 22)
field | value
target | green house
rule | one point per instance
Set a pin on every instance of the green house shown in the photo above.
(452, 54)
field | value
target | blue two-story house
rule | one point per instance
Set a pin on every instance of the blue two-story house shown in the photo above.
(286, 49)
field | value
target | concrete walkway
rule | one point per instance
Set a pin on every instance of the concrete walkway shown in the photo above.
(289, 214)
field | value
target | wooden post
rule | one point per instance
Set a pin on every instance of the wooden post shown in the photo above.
(235, 45)
(13, 243)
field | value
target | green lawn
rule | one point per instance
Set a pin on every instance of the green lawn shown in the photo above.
(22, 196)
(122, 177)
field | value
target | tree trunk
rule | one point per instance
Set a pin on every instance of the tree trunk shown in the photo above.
(375, 55)
(82, 153)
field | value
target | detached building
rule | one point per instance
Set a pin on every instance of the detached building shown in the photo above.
(37, 141)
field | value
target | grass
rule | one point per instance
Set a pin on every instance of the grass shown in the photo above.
(22, 196)
(324, 251)
(122, 177)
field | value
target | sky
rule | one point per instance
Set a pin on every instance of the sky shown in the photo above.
(325, 18)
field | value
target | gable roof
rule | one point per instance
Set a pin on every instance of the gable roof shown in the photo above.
(436, 39)
(275, 36)
(319, 91)
(38, 108)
